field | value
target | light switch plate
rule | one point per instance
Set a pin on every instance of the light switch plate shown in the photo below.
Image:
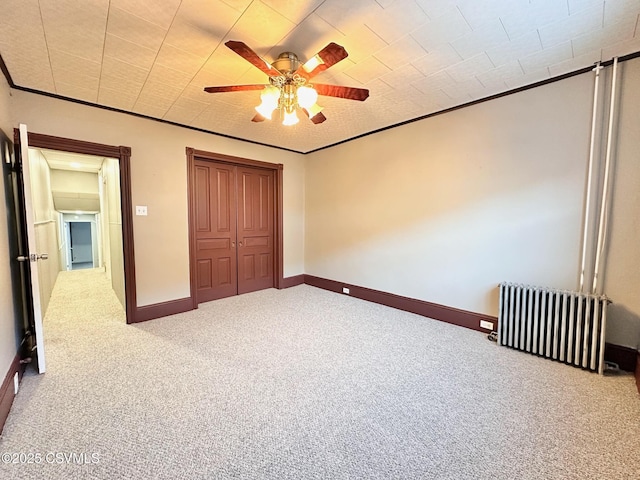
(141, 210)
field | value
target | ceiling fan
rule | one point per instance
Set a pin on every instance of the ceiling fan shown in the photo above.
(289, 88)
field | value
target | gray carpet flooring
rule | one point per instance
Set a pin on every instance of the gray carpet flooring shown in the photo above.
(304, 384)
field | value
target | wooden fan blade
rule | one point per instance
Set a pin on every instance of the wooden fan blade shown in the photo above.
(252, 57)
(233, 88)
(258, 118)
(317, 118)
(350, 93)
(325, 58)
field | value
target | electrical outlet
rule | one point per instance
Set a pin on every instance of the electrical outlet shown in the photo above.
(486, 324)
(16, 383)
(141, 210)
(345, 290)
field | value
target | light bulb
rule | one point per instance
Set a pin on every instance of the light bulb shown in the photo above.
(290, 118)
(307, 96)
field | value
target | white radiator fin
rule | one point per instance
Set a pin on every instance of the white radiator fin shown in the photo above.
(560, 325)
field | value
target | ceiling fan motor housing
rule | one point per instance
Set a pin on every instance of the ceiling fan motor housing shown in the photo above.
(287, 62)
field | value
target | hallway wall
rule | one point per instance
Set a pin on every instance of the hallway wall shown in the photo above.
(112, 227)
(46, 225)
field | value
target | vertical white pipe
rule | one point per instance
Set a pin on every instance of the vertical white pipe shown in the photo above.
(605, 190)
(603, 329)
(587, 201)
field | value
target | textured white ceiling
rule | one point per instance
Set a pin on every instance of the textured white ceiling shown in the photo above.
(417, 57)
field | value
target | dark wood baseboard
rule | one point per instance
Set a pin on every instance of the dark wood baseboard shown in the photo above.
(292, 281)
(638, 372)
(172, 307)
(443, 313)
(164, 309)
(6, 390)
(624, 357)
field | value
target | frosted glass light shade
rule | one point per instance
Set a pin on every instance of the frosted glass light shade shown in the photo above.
(270, 96)
(307, 96)
(290, 118)
(266, 109)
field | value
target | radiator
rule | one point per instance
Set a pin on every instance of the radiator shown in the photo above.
(565, 326)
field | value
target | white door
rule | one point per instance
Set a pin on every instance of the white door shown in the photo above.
(31, 257)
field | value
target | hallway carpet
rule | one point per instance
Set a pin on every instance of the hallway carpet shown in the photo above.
(304, 384)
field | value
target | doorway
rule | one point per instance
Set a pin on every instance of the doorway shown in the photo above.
(81, 245)
(81, 241)
(235, 225)
(119, 157)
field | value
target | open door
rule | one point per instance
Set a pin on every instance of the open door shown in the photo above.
(28, 257)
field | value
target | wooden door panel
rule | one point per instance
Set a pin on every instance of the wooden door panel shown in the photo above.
(266, 261)
(215, 198)
(205, 273)
(214, 244)
(265, 203)
(225, 199)
(255, 229)
(248, 267)
(225, 275)
(246, 209)
(257, 241)
(203, 205)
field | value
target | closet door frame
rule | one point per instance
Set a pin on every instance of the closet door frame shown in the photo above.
(193, 155)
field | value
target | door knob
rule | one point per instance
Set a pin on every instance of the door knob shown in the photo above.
(240, 244)
(43, 256)
(233, 244)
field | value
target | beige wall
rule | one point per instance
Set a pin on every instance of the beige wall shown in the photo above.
(159, 181)
(622, 275)
(46, 225)
(8, 321)
(446, 208)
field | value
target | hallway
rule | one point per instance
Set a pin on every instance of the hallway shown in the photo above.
(82, 301)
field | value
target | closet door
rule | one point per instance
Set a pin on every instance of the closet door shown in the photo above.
(215, 225)
(255, 229)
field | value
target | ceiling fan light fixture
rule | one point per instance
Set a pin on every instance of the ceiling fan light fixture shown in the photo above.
(307, 96)
(270, 96)
(290, 118)
(289, 89)
(266, 110)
